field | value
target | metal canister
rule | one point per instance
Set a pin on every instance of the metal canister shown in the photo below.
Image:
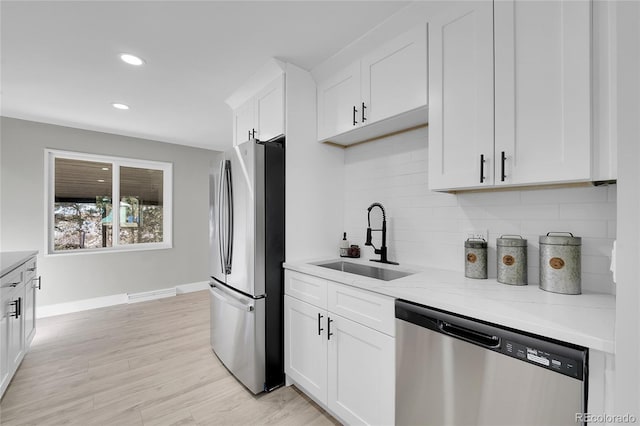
(512, 259)
(475, 258)
(560, 263)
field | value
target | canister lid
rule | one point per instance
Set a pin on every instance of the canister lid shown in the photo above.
(560, 240)
(511, 241)
(475, 243)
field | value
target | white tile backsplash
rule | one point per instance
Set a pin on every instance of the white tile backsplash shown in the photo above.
(429, 228)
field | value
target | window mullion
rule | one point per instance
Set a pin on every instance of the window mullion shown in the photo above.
(115, 209)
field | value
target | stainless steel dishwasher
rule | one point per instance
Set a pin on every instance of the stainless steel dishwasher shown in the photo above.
(453, 370)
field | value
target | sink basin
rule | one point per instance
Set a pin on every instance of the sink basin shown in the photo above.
(366, 270)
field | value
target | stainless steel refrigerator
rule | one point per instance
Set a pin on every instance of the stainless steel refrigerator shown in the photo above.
(246, 235)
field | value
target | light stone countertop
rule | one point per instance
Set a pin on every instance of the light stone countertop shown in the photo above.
(587, 320)
(10, 260)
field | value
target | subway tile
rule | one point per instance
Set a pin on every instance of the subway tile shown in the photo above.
(612, 193)
(599, 283)
(579, 228)
(489, 198)
(587, 194)
(595, 264)
(597, 246)
(588, 211)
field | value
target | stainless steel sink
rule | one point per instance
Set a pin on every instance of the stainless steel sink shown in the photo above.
(366, 270)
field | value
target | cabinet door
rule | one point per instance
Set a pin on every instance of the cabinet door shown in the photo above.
(269, 109)
(543, 92)
(16, 327)
(29, 310)
(361, 373)
(338, 96)
(461, 96)
(394, 77)
(5, 309)
(243, 122)
(305, 342)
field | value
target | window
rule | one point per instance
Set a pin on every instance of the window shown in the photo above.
(96, 203)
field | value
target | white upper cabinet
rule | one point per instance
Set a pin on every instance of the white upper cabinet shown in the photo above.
(394, 77)
(461, 97)
(542, 91)
(381, 93)
(261, 116)
(261, 110)
(269, 110)
(243, 122)
(522, 116)
(337, 100)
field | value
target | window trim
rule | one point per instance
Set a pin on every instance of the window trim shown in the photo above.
(49, 201)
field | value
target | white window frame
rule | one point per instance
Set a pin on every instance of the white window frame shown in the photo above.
(117, 162)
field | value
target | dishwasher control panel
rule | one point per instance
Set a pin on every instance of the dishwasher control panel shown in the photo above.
(543, 358)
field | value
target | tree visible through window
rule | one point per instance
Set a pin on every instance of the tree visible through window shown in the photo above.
(85, 217)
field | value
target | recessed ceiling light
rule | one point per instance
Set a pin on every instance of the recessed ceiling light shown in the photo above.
(105, 168)
(120, 106)
(100, 180)
(132, 59)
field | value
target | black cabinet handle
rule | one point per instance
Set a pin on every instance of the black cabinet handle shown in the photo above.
(502, 160)
(248, 134)
(14, 284)
(329, 333)
(253, 133)
(319, 324)
(15, 313)
(354, 115)
(39, 287)
(363, 117)
(481, 168)
(19, 307)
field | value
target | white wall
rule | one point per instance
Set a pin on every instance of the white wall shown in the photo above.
(429, 228)
(74, 277)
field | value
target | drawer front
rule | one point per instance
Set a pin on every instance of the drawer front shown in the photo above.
(30, 269)
(364, 307)
(307, 288)
(13, 278)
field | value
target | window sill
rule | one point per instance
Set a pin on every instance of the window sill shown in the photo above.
(120, 249)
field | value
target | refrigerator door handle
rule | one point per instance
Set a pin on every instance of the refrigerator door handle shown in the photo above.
(230, 300)
(229, 187)
(221, 232)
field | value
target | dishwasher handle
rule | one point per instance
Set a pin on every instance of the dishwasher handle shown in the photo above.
(468, 335)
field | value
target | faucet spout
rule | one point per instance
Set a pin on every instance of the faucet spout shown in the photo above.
(382, 251)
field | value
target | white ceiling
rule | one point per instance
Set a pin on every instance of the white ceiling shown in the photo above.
(60, 59)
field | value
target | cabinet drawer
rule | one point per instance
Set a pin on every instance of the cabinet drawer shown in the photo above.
(370, 309)
(13, 278)
(30, 269)
(307, 288)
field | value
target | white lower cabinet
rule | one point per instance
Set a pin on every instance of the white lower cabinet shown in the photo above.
(306, 347)
(361, 373)
(343, 364)
(17, 318)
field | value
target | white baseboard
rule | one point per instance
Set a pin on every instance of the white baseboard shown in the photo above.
(189, 288)
(80, 305)
(117, 299)
(151, 295)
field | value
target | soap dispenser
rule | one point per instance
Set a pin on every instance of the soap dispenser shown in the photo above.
(344, 246)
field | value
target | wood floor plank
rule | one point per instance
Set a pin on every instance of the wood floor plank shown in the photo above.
(147, 363)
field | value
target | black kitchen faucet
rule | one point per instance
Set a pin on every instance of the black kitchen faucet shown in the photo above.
(382, 251)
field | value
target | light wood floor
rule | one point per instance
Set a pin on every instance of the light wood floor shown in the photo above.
(148, 363)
